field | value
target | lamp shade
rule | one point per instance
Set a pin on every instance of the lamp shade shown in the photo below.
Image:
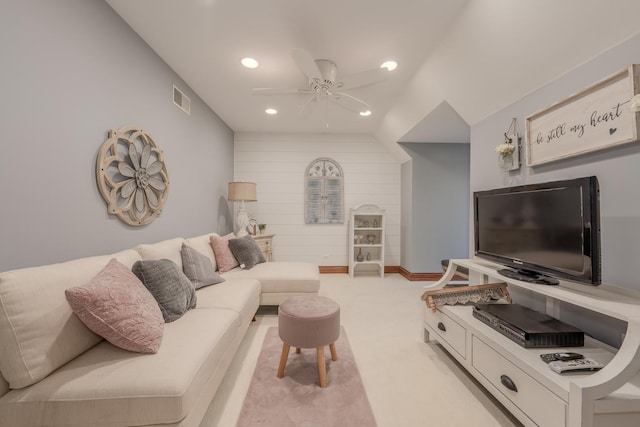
(242, 191)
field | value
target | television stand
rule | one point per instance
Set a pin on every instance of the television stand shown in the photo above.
(517, 376)
(528, 276)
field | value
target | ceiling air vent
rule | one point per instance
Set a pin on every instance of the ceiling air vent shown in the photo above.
(181, 100)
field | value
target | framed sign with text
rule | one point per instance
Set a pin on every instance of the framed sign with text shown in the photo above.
(595, 118)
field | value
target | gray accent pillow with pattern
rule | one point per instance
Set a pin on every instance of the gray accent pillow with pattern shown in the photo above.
(173, 291)
(246, 251)
(198, 268)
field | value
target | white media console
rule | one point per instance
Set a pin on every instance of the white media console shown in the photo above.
(518, 377)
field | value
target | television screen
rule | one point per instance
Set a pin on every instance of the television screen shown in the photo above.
(541, 230)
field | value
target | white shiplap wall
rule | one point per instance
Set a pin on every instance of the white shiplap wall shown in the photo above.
(277, 163)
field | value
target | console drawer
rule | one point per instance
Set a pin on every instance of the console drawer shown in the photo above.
(448, 330)
(535, 400)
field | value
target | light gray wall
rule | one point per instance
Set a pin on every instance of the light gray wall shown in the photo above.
(406, 215)
(72, 70)
(438, 205)
(617, 168)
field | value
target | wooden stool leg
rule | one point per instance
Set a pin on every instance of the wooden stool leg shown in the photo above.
(334, 354)
(283, 359)
(322, 368)
(297, 350)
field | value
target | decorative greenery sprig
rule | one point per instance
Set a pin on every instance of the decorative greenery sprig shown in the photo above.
(505, 150)
(635, 103)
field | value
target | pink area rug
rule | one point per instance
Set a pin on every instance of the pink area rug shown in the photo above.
(297, 399)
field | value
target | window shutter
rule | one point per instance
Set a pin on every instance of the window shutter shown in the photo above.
(314, 206)
(324, 192)
(334, 200)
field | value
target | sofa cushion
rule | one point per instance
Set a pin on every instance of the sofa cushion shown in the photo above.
(202, 244)
(111, 387)
(281, 276)
(117, 306)
(239, 295)
(198, 268)
(166, 249)
(246, 251)
(225, 259)
(38, 330)
(173, 291)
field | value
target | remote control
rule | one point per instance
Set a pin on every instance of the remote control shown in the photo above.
(552, 357)
(575, 365)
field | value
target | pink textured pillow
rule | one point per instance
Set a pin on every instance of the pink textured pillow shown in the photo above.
(224, 257)
(117, 306)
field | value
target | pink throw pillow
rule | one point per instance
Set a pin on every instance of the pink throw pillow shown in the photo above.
(224, 257)
(117, 306)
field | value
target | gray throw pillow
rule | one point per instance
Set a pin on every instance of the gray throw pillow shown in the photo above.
(246, 251)
(198, 268)
(173, 291)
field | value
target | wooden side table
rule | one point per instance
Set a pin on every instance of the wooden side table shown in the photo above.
(265, 242)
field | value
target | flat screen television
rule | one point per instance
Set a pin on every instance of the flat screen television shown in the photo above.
(541, 232)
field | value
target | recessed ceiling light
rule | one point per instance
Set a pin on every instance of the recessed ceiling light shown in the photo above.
(365, 113)
(389, 65)
(271, 111)
(249, 63)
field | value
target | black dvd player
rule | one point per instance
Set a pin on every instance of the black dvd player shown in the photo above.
(527, 327)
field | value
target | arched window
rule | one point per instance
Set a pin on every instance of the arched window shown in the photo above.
(323, 192)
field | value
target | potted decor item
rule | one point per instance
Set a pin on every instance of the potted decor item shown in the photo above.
(262, 227)
(635, 104)
(505, 155)
(508, 156)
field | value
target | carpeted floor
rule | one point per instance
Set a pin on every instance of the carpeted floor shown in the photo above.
(296, 399)
(408, 383)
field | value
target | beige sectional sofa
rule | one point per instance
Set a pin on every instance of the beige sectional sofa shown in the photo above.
(56, 372)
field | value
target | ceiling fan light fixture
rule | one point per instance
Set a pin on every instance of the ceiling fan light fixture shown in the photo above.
(249, 63)
(389, 65)
(271, 111)
(324, 86)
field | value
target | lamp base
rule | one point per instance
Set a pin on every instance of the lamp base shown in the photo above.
(242, 221)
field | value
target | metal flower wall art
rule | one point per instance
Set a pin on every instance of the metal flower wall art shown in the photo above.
(132, 175)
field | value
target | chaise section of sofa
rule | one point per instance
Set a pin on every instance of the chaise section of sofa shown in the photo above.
(280, 280)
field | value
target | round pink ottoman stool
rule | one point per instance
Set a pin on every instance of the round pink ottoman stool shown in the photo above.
(309, 321)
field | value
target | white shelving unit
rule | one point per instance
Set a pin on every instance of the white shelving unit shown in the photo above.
(366, 237)
(536, 395)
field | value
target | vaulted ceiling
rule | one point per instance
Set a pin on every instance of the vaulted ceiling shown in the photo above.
(459, 61)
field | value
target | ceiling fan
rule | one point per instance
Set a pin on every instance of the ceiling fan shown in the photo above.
(324, 85)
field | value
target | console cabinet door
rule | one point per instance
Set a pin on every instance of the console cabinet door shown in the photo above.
(448, 330)
(535, 400)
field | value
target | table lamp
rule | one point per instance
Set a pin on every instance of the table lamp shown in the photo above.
(242, 192)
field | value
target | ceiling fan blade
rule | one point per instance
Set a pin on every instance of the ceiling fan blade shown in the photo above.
(349, 102)
(364, 78)
(271, 90)
(307, 64)
(308, 107)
